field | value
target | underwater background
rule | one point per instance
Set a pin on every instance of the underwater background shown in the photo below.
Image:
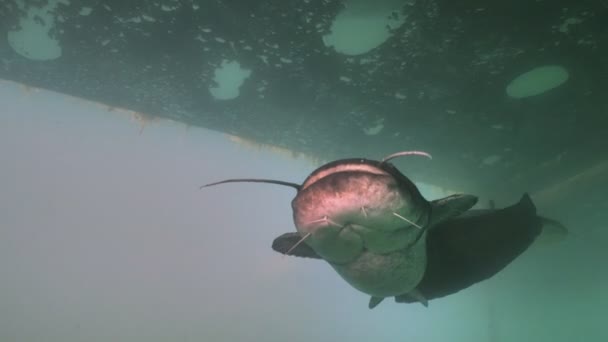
(105, 236)
(113, 113)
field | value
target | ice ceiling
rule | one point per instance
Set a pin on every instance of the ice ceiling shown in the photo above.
(506, 95)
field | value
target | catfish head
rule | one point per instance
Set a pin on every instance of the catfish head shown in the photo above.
(353, 204)
(347, 206)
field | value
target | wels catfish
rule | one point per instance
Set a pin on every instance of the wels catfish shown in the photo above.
(466, 249)
(369, 222)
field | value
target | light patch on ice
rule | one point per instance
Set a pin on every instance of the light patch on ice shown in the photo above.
(400, 96)
(375, 129)
(367, 60)
(565, 26)
(32, 38)
(168, 8)
(136, 20)
(148, 18)
(229, 77)
(364, 25)
(85, 11)
(537, 81)
(345, 79)
(491, 160)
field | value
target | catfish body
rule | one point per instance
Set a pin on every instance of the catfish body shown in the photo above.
(477, 245)
(463, 250)
(368, 221)
(348, 207)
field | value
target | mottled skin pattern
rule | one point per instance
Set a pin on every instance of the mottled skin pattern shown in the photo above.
(386, 275)
(349, 208)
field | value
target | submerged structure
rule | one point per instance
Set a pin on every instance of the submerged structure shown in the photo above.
(508, 95)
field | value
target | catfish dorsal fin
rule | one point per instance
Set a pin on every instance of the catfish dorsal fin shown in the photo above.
(254, 180)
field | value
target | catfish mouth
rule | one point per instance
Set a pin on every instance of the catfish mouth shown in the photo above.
(338, 245)
(342, 244)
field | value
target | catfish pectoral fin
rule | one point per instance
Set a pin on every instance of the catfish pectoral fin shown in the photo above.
(285, 242)
(413, 296)
(374, 301)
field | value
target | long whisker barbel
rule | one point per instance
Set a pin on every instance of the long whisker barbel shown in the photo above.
(406, 153)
